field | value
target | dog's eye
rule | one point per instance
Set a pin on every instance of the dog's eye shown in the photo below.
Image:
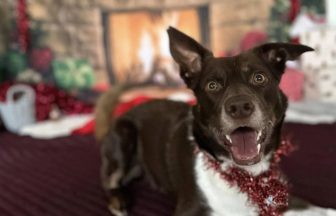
(212, 86)
(259, 78)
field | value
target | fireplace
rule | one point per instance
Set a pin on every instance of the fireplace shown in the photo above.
(137, 46)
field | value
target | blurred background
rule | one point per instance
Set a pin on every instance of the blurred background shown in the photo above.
(58, 56)
(83, 47)
(125, 40)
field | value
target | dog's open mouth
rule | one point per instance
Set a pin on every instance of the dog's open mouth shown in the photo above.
(246, 145)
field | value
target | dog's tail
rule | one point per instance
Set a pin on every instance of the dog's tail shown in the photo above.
(104, 109)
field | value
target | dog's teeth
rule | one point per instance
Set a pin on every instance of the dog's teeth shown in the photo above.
(258, 147)
(228, 138)
(259, 135)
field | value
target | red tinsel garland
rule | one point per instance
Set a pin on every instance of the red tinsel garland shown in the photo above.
(22, 23)
(48, 96)
(269, 191)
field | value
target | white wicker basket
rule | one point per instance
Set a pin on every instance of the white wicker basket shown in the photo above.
(21, 112)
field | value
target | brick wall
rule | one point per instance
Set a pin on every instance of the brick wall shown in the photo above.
(231, 20)
(6, 13)
(74, 27)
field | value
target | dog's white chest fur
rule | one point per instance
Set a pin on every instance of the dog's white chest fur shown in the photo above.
(222, 198)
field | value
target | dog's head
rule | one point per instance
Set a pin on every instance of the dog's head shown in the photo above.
(240, 105)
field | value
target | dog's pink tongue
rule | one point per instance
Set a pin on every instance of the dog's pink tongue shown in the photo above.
(244, 144)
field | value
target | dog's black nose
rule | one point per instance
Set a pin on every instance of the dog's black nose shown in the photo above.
(239, 106)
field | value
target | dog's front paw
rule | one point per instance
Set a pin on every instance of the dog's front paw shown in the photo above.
(116, 212)
(117, 206)
(312, 211)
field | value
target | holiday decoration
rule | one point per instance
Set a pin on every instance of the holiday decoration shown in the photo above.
(324, 54)
(47, 97)
(314, 6)
(284, 13)
(268, 190)
(29, 76)
(320, 66)
(40, 55)
(11, 109)
(279, 21)
(305, 23)
(40, 59)
(73, 73)
(22, 24)
(294, 9)
(16, 62)
(320, 84)
(2, 68)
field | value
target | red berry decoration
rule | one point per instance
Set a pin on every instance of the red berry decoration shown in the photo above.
(40, 59)
(48, 96)
(22, 25)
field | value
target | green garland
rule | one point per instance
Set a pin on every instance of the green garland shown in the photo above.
(279, 24)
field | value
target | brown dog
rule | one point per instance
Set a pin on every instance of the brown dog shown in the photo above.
(235, 124)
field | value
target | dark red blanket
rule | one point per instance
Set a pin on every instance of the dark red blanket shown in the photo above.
(60, 177)
(312, 168)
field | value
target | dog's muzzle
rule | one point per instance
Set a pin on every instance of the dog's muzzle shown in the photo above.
(244, 130)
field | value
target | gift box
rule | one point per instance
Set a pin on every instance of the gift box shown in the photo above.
(73, 74)
(320, 84)
(320, 66)
(323, 40)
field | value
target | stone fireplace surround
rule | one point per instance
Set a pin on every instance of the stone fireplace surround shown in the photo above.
(74, 28)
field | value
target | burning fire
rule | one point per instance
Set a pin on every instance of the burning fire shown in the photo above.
(154, 53)
(145, 44)
(146, 53)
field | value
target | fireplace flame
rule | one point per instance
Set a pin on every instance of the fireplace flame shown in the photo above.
(154, 57)
(146, 52)
(143, 44)
(164, 44)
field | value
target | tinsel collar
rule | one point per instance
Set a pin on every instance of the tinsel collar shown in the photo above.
(268, 190)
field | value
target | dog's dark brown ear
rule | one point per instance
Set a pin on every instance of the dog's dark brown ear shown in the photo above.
(276, 54)
(188, 53)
